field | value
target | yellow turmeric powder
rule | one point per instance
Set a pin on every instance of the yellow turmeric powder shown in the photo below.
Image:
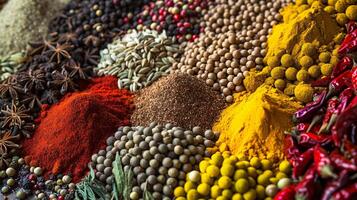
(313, 25)
(254, 125)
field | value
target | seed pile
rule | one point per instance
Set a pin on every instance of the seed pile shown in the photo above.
(138, 59)
(97, 21)
(159, 156)
(10, 64)
(26, 182)
(180, 99)
(179, 18)
(234, 41)
(23, 21)
(225, 176)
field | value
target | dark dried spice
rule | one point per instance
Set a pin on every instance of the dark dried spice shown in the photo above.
(64, 80)
(41, 46)
(91, 57)
(50, 96)
(33, 79)
(32, 101)
(14, 116)
(7, 142)
(10, 88)
(59, 51)
(76, 70)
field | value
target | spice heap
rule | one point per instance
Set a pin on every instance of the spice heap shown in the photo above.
(322, 147)
(23, 21)
(138, 59)
(177, 18)
(225, 176)
(254, 125)
(97, 21)
(27, 182)
(159, 156)
(302, 49)
(234, 41)
(10, 64)
(72, 130)
(180, 99)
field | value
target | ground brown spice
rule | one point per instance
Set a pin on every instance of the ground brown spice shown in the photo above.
(180, 99)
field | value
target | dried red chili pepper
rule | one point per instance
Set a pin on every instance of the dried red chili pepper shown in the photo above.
(339, 83)
(354, 78)
(344, 64)
(302, 127)
(302, 162)
(349, 150)
(344, 124)
(347, 193)
(308, 187)
(287, 193)
(331, 107)
(349, 44)
(323, 163)
(340, 162)
(333, 186)
(290, 148)
(310, 109)
(345, 97)
(323, 82)
(315, 120)
(309, 140)
(351, 26)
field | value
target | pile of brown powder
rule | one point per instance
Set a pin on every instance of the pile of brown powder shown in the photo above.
(22, 21)
(180, 99)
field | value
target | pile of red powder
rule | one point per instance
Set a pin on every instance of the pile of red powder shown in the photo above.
(78, 126)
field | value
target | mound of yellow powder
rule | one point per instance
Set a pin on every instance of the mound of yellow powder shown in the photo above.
(312, 25)
(254, 125)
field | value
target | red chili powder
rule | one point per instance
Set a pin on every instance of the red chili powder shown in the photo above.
(78, 126)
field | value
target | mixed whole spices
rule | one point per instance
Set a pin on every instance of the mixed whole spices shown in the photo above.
(178, 99)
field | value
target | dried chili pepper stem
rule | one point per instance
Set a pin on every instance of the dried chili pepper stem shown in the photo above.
(323, 163)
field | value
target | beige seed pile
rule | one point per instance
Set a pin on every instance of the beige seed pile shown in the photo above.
(234, 41)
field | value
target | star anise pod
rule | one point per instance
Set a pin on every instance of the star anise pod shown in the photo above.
(7, 142)
(50, 97)
(4, 160)
(69, 37)
(75, 69)
(92, 40)
(91, 57)
(64, 80)
(59, 51)
(33, 79)
(26, 130)
(32, 101)
(10, 87)
(39, 47)
(14, 116)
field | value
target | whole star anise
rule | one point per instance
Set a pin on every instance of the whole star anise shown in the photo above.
(76, 70)
(33, 79)
(59, 51)
(32, 101)
(14, 116)
(10, 88)
(64, 80)
(7, 142)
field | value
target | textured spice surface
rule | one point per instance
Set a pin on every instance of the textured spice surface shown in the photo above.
(22, 21)
(78, 126)
(180, 99)
(254, 125)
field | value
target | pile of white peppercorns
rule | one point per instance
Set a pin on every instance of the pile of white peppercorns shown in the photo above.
(234, 41)
(159, 156)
